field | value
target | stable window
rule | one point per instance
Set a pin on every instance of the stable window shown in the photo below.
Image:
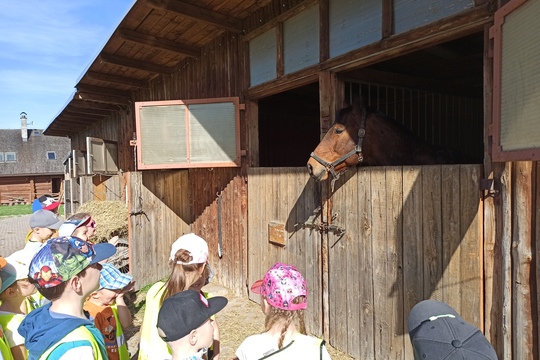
(51, 155)
(10, 157)
(188, 133)
(101, 158)
(516, 82)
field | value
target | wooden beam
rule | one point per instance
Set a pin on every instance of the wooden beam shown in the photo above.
(134, 64)
(198, 13)
(93, 105)
(387, 18)
(79, 110)
(93, 75)
(78, 119)
(86, 115)
(64, 120)
(103, 90)
(158, 43)
(107, 99)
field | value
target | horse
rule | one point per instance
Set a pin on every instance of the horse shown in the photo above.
(363, 135)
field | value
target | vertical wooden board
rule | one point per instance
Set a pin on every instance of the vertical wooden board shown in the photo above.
(536, 239)
(493, 275)
(337, 261)
(525, 337)
(432, 232)
(380, 277)
(254, 216)
(293, 257)
(352, 220)
(413, 273)
(394, 262)
(451, 213)
(471, 246)
(313, 240)
(364, 267)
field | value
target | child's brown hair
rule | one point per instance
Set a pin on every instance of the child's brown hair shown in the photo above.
(287, 317)
(178, 280)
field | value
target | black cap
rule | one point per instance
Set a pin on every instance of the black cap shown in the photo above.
(438, 332)
(186, 311)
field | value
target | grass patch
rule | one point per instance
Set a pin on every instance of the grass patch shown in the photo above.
(21, 209)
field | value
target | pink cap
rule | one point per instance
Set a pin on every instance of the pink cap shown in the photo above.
(196, 245)
(281, 285)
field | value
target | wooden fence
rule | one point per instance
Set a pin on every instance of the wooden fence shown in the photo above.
(411, 233)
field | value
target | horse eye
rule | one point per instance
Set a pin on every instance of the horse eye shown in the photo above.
(338, 130)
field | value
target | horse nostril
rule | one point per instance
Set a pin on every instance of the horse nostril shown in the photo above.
(310, 169)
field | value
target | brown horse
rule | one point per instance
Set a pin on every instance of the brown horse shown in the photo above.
(365, 136)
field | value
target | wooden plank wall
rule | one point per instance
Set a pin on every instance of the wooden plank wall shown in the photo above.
(219, 196)
(286, 196)
(412, 233)
(159, 206)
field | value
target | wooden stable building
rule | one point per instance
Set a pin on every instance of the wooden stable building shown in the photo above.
(201, 115)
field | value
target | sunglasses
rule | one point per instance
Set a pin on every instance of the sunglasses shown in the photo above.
(92, 224)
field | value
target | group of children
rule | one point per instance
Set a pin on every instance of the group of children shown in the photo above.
(59, 298)
(79, 312)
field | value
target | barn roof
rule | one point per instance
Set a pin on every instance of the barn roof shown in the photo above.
(32, 154)
(152, 39)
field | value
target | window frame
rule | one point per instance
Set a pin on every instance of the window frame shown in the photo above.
(54, 155)
(187, 165)
(10, 153)
(496, 34)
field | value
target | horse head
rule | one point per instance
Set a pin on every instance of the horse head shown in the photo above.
(341, 147)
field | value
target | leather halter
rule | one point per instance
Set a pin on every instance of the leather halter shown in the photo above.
(357, 150)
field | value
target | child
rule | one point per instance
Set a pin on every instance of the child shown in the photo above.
(5, 351)
(283, 300)
(184, 323)
(76, 226)
(46, 202)
(110, 313)
(66, 276)
(43, 224)
(188, 257)
(14, 306)
(438, 332)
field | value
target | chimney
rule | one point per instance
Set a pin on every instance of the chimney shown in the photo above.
(24, 130)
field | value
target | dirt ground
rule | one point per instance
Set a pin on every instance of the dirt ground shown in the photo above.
(238, 320)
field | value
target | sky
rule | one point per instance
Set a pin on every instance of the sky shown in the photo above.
(45, 47)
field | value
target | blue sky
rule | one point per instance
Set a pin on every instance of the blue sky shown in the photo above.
(44, 48)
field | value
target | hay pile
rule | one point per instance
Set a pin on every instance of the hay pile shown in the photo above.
(111, 218)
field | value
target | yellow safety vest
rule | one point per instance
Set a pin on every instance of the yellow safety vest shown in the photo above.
(152, 345)
(80, 333)
(5, 349)
(123, 353)
(11, 321)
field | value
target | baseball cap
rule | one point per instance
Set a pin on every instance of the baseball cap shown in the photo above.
(186, 311)
(8, 274)
(69, 226)
(62, 258)
(45, 219)
(196, 245)
(111, 278)
(438, 332)
(45, 202)
(281, 285)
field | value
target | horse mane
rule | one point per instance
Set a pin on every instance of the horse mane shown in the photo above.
(442, 155)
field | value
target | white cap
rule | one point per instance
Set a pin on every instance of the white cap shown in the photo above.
(19, 262)
(197, 247)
